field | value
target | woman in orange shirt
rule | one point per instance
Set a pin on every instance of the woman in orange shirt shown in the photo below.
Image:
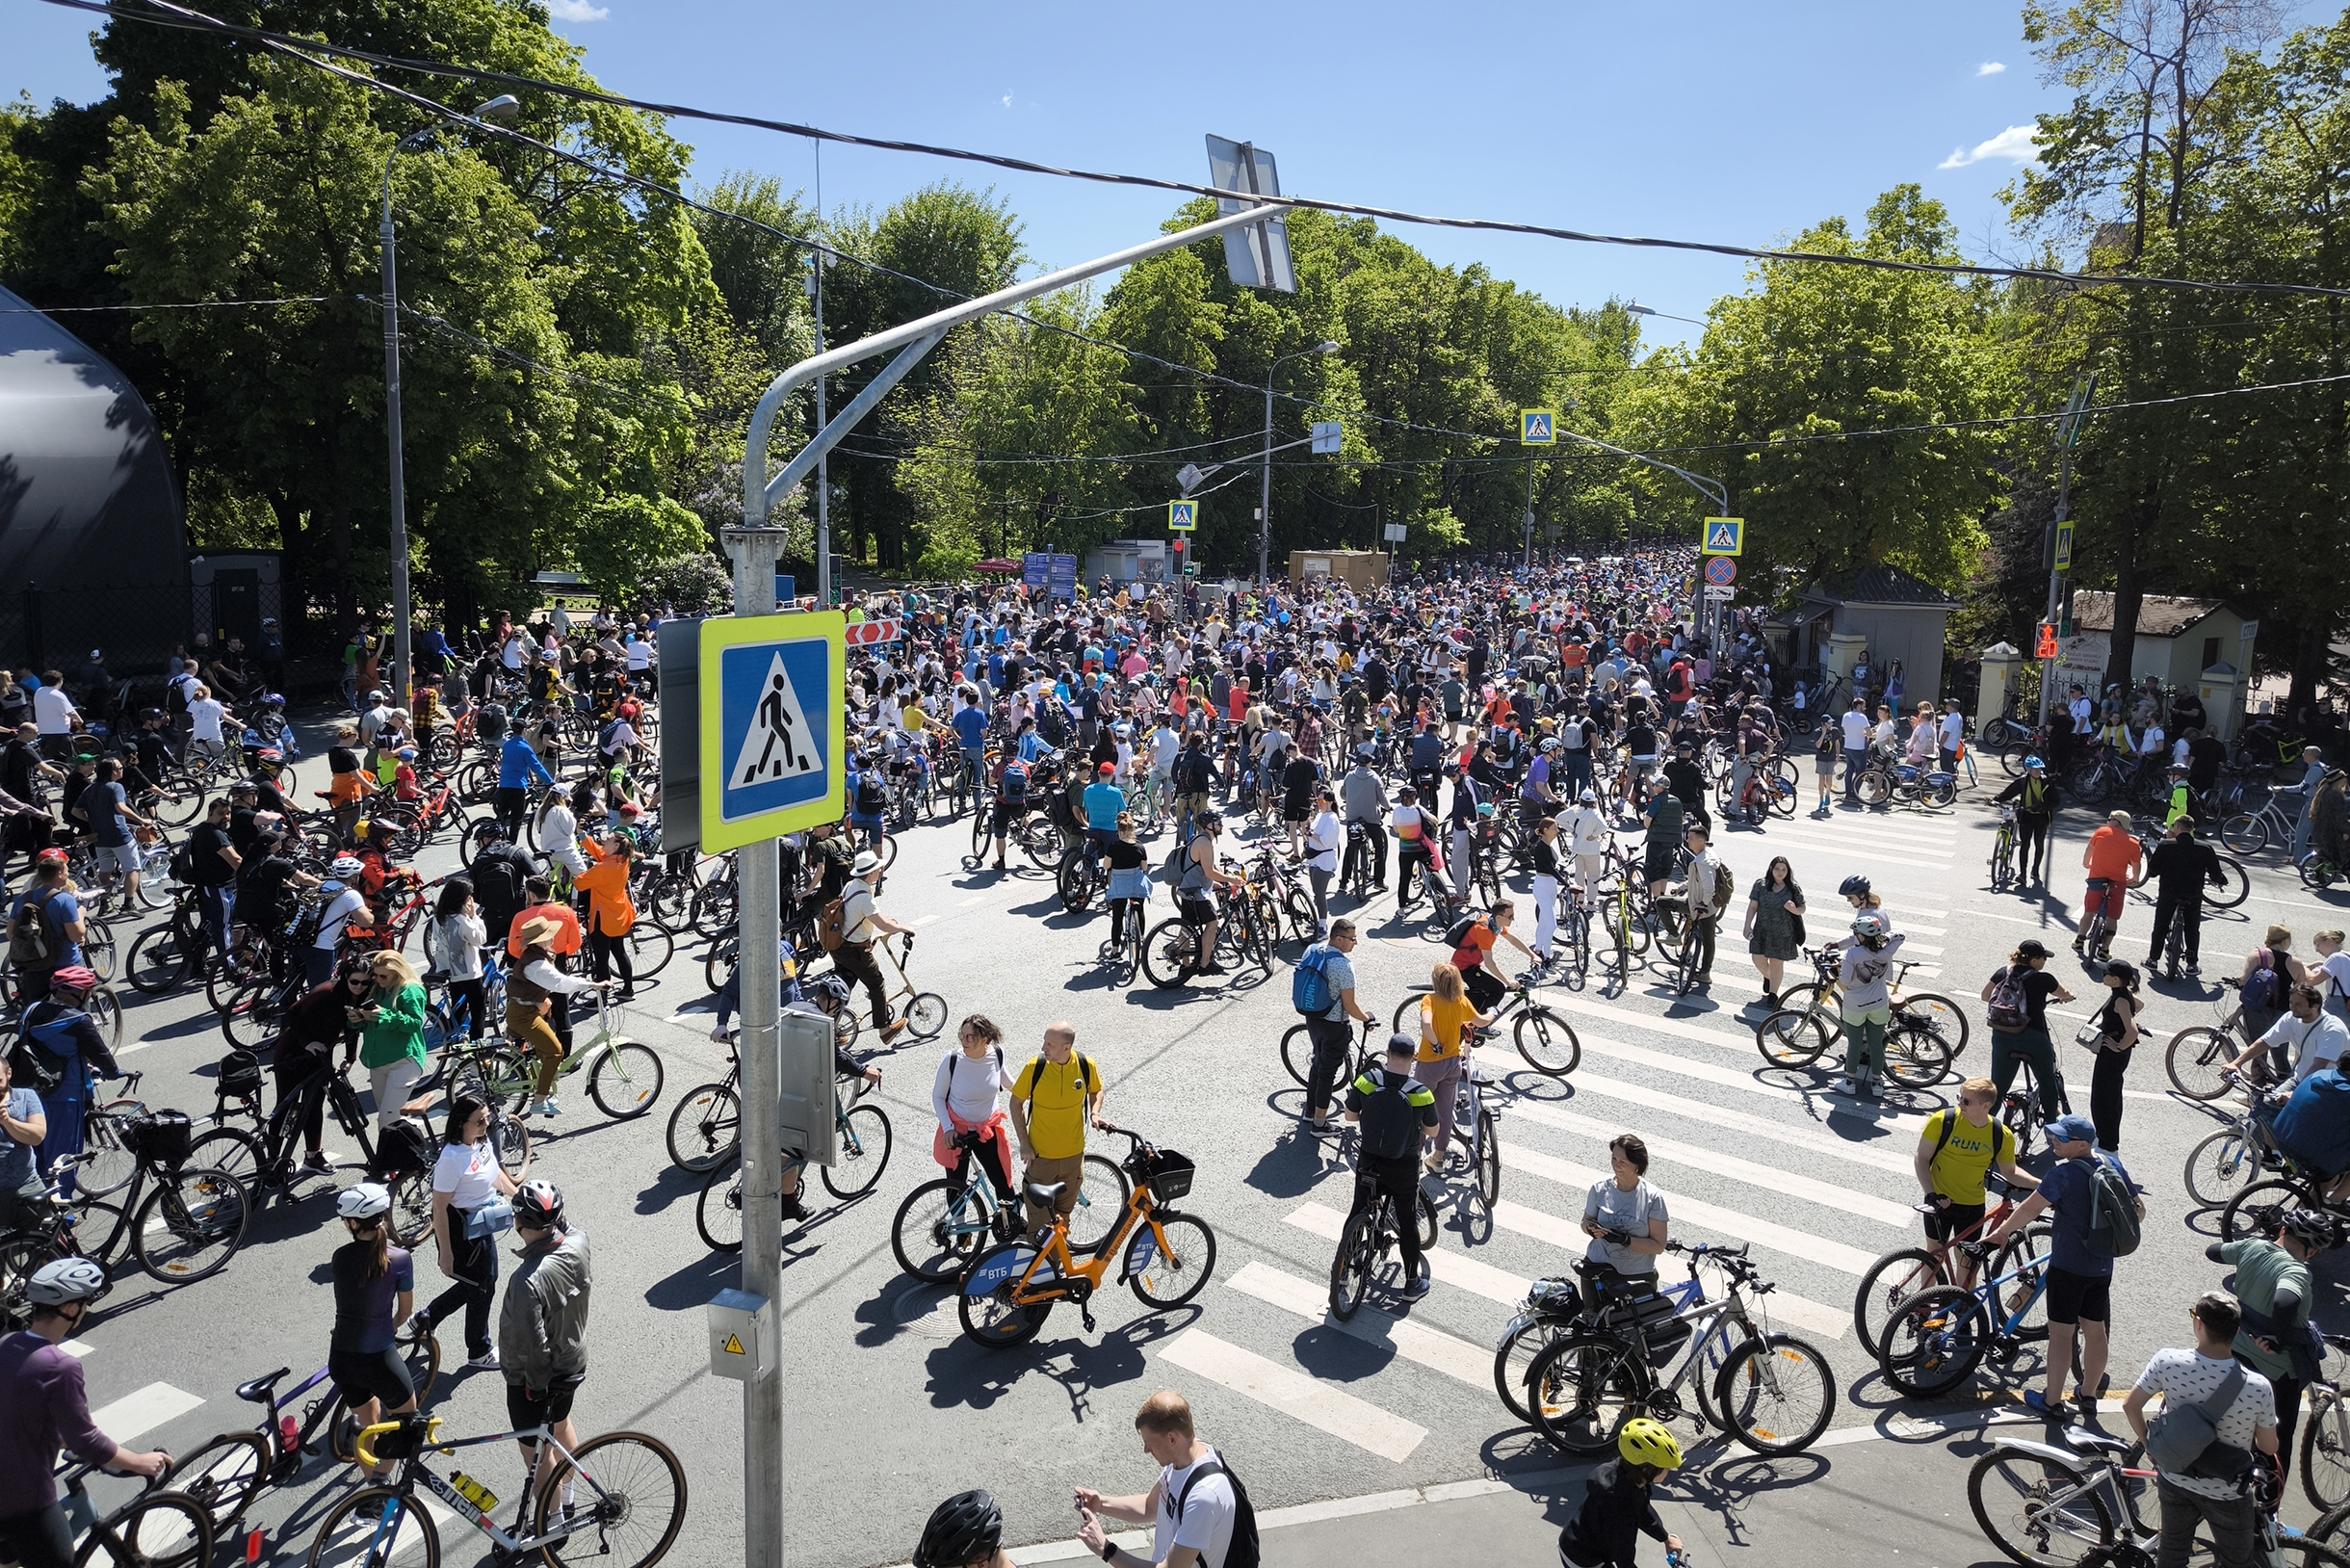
(1445, 1014)
(610, 914)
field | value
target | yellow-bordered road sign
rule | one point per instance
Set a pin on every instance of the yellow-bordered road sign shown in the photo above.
(1537, 427)
(1183, 517)
(1722, 537)
(775, 738)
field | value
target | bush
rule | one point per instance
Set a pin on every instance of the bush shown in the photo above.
(692, 584)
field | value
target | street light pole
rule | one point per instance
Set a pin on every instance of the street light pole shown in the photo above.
(1265, 501)
(501, 109)
(823, 480)
(2068, 435)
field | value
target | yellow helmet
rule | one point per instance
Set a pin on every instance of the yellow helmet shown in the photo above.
(1645, 1442)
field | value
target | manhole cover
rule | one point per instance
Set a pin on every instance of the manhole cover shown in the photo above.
(928, 1310)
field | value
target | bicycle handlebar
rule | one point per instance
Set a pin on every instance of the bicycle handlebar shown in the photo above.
(367, 1456)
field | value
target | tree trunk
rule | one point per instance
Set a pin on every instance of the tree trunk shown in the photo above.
(338, 548)
(2309, 665)
(2136, 521)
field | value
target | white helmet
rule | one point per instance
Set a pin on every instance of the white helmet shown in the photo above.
(346, 866)
(1871, 926)
(365, 1201)
(67, 1279)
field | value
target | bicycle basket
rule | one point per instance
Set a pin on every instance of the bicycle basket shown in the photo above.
(1169, 1175)
(238, 1075)
(159, 1138)
(404, 1149)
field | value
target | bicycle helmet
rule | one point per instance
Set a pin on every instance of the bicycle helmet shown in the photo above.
(1853, 887)
(243, 786)
(825, 987)
(1589, 798)
(1870, 926)
(67, 1279)
(75, 977)
(1646, 1442)
(1550, 744)
(272, 754)
(345, 867)
(1484, 808)
(538, 1206)
(377, 696)
(967, 1527)
(407, 754)
(2312, 1228)
(365, 1201)
(2034, 763)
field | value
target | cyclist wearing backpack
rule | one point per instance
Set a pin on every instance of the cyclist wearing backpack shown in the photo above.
(2035, 799)
(1395, 1112)
(61, 1030)
(1475, 939)
(1957, 1150)
(1321, 987)
(1199, 1509)
(1057, 1096)
(2019, 993)
(2270, 970)
(1011, 800)
(45, 928)
(2214, 1414)
(2097, 1210)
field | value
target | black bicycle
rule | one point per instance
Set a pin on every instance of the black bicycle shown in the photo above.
(265, 1159)
(1370, 1236)
(158, 1528)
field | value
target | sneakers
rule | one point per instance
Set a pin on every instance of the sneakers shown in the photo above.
(2077, 941)
(322, 1161)
(1212, 969)
(2037, 1403)
(1419, 1286)
(1849, 1086)
(793, 1208)
(486, 1361)
(545, 1108)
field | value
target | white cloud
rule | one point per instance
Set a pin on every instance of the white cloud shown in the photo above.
(1007, 100)
(577, 11)
(2017, 143)
(1990, 67)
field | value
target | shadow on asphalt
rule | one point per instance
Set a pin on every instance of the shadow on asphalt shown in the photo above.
(965, 1374)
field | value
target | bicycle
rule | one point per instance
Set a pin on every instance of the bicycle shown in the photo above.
(264, 1160)
(1543, 1037)
(1926, 1031)
(1297, 1055)
(1172, 953)
(158, 1528)
(165, 958)
(863, 1138)
(1163, 1257)
(1904, 1272)
(626, 1488)
(229, 1473)
(1934, 1340)
(2198, 1057)
(1772, 1392)
(184, 1228)
(924, 1012)
(1354, 869)
(2020, 1111)
(2228, 1160)
(2251, 831)
(2325, 1443)
(1370, 1234)
(624, 1076)
(1122, 957)
(1472, 1123)
(944, 1222)
(2005, 871)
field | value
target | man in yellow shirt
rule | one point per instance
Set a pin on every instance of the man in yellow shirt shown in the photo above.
(1057, 1096)
(1956, 1151)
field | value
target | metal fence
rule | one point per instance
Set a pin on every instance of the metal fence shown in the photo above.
(134, 625)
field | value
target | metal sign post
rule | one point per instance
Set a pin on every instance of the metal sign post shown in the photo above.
(2060, 525)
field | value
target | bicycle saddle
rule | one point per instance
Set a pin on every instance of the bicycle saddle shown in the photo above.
(2084, 1441)
(258, 1390)
(1044, 1197)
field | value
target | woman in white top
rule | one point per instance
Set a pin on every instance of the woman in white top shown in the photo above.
(1325, 837)
(454, 947)
(967, 1098)
(204, 715)
(343, 901)
(558, 833)
(467, 1187)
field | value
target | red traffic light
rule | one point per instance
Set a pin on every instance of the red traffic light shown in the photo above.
(2048, 641)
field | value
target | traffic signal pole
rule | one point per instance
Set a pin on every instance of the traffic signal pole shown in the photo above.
(2068, 435)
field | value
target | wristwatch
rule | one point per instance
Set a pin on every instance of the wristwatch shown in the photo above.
(1110, 1553)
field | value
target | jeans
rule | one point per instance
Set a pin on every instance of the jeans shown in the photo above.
(2229, 1522)
(2011, 1048)
(215, 904)
(1856, 763)
(1331, 1039)
(1464, 861)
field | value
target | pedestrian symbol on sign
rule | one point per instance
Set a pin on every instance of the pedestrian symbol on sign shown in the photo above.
(778, 744)
(1537, 427)
(1723, 537)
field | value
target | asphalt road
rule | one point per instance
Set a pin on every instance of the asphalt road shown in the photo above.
(890, 1408)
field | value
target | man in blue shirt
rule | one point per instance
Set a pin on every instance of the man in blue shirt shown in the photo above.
(518, 768)
(22, 1126)
(2314, 1125)
(1103, 800)
(50, 895)
(970, 723)
(2080, 1265)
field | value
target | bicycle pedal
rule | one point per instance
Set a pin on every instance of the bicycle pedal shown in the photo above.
(1087, 1317)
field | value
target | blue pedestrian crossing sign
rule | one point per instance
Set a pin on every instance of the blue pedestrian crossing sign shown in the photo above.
(1183, 517)
(1722, 537)
(774, 731)
(1537, 427)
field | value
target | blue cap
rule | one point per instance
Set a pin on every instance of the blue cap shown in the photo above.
(2071, 1129)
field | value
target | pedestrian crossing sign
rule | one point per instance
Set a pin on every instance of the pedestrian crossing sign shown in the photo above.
(774, 732)
(1537, 427)
(1723, 537)
(1183, 517)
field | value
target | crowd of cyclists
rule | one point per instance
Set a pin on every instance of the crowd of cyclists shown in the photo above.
(1464, 732)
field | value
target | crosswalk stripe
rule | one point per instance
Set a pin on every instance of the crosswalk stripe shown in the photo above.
(1452, 1268)
(1296, 1395)
(143, 1411)
(1680, 1105)
(1737, 1227)
(1413, 1342)
(77, 1349)
(359, 1534)
(1842, 841)
(1827, 1195)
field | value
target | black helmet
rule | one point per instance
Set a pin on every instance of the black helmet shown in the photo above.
(538, 1206)
(967, 1527)
(1853, 887)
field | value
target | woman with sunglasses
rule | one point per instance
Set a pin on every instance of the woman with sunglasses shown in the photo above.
(469, 1187)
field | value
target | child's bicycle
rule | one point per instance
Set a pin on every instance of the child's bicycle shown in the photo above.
(622, 1494)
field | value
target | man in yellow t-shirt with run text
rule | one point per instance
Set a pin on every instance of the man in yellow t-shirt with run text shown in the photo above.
(1956, 1151)
(1057, 1096)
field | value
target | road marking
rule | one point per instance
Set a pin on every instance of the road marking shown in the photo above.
(143, 1411)
(78, 1348)
(1680, 1105)
(1827, 1195)
(924, 919)
(973, 902)
(1413, 1342)
(1737, 1227)
(1452, 1268)
(1296, 1395)
(1845, 841)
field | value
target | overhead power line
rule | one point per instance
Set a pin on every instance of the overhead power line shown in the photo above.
(172, 16)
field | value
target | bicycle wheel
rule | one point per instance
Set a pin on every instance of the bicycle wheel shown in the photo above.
(1077, 881)
(1170, 953)
(937, 1230)
(650, 945)
(1876, 787)
(1916, 1057)
(717, 1213)
(2324, 1449)
(926, 1016)
(2235, 886)
(2040, 1511)
(1889, 1281)
(2219, 1167)
(20, 1256)
(1101, 1204)
(1933, 1340)
(372, 1529)
(106, 1166)
(2256, 1210)
(1581, 1390)
(1297, 1052)
(191, 1225)
(864, 1154)
(1488, 1158)
(626, 1080)
(1939, 1013)
(252, 1017)
(1776, 1395)
(2196, 1059)
(1548, 1043)
(1514, 1358)
(1792, 1037)
(2244, 833)
(159, 962)
(223, 1477)
(161, 1530)
(1351, 1265)
(990, 1315)
(706, 1127)
(627, 1500)
(1169, 1259)
(510, 1137)
(413, 1209)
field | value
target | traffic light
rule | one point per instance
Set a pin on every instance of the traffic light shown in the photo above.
(2048, 641)
(1183, 555)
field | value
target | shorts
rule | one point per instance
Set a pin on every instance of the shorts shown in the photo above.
(1956, 1220)
(1657, 862)
(361, 1375)
(2109, 899)
(1195, 910)
(123, 857)
(1007, 814)
(526, 1410)
(2072, 1296)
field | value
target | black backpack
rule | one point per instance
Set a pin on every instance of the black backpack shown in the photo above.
(1390, 1128)
(1245, 1551)
(873, 797)
(497, 884)
(33, 949)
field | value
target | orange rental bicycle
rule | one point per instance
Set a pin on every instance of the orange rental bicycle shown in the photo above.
(1164, 1256)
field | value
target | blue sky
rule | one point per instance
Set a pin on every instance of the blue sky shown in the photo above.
(1737, 122)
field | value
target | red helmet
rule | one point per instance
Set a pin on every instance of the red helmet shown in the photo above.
(74, 978)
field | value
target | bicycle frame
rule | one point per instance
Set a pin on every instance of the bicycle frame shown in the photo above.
(413, 1470)
(1141, 1209)
(2105, 1477)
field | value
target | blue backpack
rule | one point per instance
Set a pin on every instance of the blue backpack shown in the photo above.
(1309, 991)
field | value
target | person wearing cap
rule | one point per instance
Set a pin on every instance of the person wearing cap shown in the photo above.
(862, 924)
(2034, 796)
(1103, 802)
(2116, 863)
(1396, 1110)
(2013, 1045)
(61, 1026)
(531, 989)
(2081, 1267)
(50, 898)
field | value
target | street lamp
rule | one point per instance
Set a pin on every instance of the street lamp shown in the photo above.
(1643, 310)
(500, 110)
(1265, 505)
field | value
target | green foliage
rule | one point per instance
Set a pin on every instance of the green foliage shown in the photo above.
(692, 584)
(619, 534)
